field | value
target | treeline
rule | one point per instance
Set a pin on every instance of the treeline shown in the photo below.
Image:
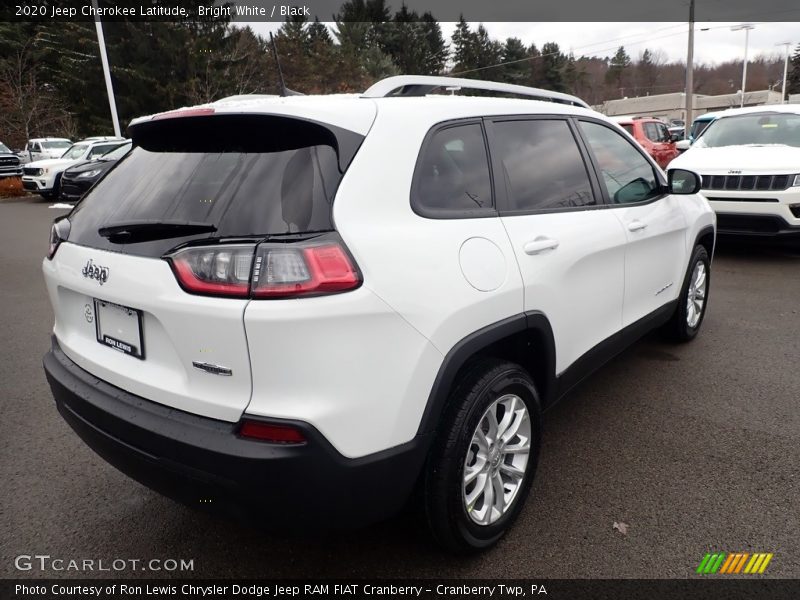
(51, 80)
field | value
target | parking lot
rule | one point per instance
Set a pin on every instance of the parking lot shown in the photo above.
(696, 448)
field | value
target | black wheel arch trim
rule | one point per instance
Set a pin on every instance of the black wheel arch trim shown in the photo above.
(708, 229)
(471, 345)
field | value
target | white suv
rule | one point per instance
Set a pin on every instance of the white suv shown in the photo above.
(307, 307)
(750, 163)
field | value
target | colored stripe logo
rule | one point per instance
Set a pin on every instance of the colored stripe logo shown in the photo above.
(734, 563)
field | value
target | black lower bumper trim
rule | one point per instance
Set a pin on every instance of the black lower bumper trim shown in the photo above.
(201, 462)
(747, 225)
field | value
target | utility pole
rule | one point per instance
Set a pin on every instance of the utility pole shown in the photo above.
(747, 27)
(784, 98)
(101, 41)
(689, 74)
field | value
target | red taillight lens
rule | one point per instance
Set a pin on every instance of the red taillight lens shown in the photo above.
(290, 270)
(215, 270)
(271, 432)
(283, 271)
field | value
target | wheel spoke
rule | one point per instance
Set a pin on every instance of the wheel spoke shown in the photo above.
(488, 500)
(700, 280)
(510, 406)
(499, 494)
(476, 492)
(491, 420)
(470, 473)
(512, 429)
(522, 448)
(512, 471)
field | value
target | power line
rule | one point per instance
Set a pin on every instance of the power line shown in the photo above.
(588, 46)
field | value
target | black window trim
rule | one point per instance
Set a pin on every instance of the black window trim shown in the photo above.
(501, 190)
(473, 213)
(663, 187)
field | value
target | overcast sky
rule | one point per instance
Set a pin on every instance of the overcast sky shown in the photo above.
(714, 45)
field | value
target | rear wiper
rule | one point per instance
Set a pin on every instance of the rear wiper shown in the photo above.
(147, 230)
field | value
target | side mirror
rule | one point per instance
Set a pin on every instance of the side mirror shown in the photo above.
(676, 137)
(683, 145)
(682, 181)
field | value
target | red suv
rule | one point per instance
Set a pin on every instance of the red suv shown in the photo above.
(653, 136)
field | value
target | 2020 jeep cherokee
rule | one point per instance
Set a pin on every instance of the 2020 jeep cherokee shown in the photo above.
(308, 307)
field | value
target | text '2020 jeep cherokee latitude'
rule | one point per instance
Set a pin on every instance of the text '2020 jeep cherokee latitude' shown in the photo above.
(305, 307)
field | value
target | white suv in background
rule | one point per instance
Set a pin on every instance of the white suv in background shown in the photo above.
(749, 159)
(303, 308)
(43, 177)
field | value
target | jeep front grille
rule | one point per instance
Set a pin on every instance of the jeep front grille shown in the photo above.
(746, 182)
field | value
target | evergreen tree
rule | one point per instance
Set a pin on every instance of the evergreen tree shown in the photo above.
(464, 55)
(517, 71)
(437, 49)
(617, 66)
(552, 68)
(793, 76)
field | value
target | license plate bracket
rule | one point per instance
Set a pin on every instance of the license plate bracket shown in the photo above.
(119, 327)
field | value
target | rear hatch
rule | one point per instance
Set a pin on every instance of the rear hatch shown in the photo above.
(222, 182)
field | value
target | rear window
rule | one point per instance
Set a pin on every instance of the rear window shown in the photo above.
(452, 176)
(252, 178)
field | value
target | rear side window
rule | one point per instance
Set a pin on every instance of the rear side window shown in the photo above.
(629, 128)
(251, 179)
(542, 165)
(452, 176)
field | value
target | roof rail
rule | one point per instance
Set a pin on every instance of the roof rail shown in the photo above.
(420, 85)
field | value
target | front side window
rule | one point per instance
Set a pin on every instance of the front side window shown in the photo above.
(628, 176)
(542, 165)
(453, 172)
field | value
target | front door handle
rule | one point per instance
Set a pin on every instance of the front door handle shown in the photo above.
(540, 244)
(636, 225)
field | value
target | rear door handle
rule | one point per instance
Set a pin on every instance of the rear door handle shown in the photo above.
(540, 244)
(636, 225)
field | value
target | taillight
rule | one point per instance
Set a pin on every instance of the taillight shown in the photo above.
(59, 232)
(268, 270)
(214, 270)
(283, 271)
(271, 432)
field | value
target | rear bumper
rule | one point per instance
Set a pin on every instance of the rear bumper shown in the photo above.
(202, 462)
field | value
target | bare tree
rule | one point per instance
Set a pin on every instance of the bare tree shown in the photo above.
(28, 108)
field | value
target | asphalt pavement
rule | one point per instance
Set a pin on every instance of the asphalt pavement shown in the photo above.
(695, 448)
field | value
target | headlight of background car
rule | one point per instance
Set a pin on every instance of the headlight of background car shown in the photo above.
(88, 174)
(796, 180)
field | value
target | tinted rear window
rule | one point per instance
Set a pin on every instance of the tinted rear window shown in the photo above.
(254, 187)
(542, 166)
(452, 177)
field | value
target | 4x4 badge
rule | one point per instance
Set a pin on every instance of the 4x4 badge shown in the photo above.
(93, 271)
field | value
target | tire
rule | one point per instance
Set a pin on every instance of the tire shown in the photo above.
(691, 310)
(458, 451)
(56, 193)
